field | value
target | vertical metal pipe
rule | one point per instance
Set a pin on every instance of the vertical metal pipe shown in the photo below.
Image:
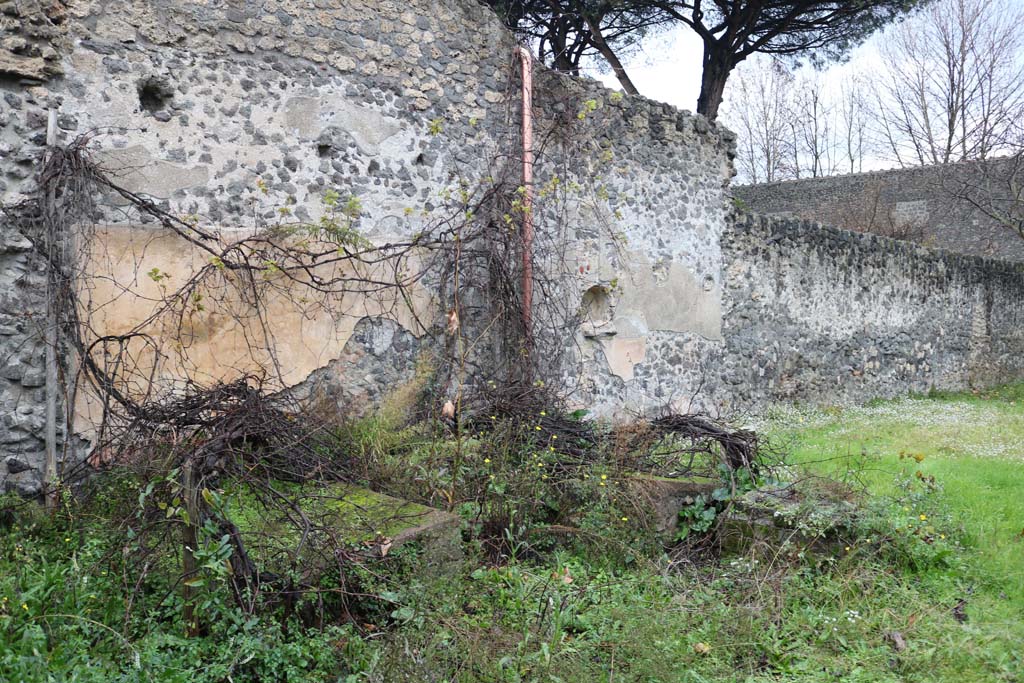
(527, 65)
(50, 468)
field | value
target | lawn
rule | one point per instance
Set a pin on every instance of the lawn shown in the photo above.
(973, 445)
(927, 583)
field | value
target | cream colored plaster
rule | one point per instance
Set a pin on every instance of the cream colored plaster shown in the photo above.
(650, 297)
(307, 116)
(668, 299)
(137, 171)
(624, 354)
(221, 338)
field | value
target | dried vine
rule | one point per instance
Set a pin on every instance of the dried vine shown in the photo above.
(184, 435)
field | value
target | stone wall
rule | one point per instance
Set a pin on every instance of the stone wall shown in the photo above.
(921, 204)
(229, 113)
(201, 106)
(818, 314)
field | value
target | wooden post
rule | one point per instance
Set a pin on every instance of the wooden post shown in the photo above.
(189, 539)
(50, 478)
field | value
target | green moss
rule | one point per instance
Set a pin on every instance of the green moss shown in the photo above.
(339, 514)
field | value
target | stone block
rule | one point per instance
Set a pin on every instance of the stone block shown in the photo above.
(34, 377)
(347, 516)
(663, 497)
(27, 484)
(25, 67)
(17, 465)
(774, 516)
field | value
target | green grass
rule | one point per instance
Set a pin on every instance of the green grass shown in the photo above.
(593, 606)
(973, 445)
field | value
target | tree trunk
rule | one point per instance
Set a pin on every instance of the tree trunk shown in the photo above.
(717, 67)
(609, 55)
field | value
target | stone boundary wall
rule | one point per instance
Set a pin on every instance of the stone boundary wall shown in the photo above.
(918, 203)
(814, 313)
(397, 103)
(203, 106)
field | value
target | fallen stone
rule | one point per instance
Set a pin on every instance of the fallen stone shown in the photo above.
(774, 516)
(664, 497)
(352, 517)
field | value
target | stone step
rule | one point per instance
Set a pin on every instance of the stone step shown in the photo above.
(345, 516)
(775, 515)
(664, 497)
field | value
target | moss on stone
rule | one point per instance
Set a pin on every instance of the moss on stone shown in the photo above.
(339, 515)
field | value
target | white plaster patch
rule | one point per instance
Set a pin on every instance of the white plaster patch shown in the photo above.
(137, 171)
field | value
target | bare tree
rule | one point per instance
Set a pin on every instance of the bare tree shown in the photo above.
(954, 82)
(855, 116)
(757, 109)
(870, 210)
(993, 188)
(791, 126)
(813, 130)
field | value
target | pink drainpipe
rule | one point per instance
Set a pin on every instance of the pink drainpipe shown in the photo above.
(527, 63)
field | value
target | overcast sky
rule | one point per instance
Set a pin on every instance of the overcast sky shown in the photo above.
(668, 67)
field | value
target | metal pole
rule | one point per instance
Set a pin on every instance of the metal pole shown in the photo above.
(527, 64)
(50, 471)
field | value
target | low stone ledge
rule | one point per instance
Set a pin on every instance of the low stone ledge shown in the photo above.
(664, 497)
(346, 515)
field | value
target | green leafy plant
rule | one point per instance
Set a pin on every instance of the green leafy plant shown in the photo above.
(696, 518)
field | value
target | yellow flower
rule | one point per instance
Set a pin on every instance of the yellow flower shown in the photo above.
(604, 476)
(537, 428)
(602, 483)
(554, 436)
(494, 417)
(625, 519)
(942, 536)
(24, 606)
(487, 460)
(923, 517)
(847, 548)
(542, 413)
